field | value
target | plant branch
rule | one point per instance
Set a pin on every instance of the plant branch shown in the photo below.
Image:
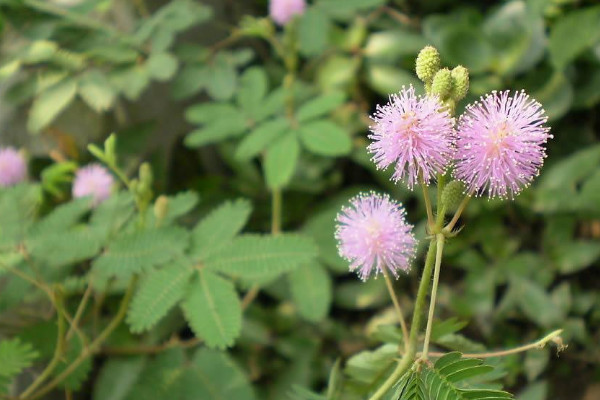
(399, 313)
(80, 310)
(93, 347)
(58, 351)
(427, 203)
(436, 277)
(463, 204)
(408, 358)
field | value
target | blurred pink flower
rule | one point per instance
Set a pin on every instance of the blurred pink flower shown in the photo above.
(373, 234)
(501, 144)
(415, 133)
(282, 11)
(95, 181)
(13, 168)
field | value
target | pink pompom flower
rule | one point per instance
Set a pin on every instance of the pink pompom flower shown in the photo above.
(501, 144)
(414, 132)
(282, 11)
(373, 234)
(95, 181)
(13, 168)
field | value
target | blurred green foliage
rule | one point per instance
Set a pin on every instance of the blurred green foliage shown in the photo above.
(225, 105)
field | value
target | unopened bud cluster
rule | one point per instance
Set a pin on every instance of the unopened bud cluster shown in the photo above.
(449, 85)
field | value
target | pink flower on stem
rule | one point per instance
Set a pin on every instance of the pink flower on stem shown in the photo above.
(95, 181)
(13, 168)
(282, 11)
(416, 133)
(373, 234)
(501, 144)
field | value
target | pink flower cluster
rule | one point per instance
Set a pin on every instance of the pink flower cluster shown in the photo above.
(94, 181)
(282, 11)
(497, 148)
(13, 167)
(373, 234)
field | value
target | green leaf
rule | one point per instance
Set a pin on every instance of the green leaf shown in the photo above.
(313, 32)
(222, 78)
(572, 34)
(156, 294)
(130, 81)
(161, 66)
(95, 89)
(157, 379)
(217, 131)
(18, 208)
(310, 286)
(258, 139)
(386, 79)
(325, 138)
(443, 380)
(219, 228)
(218, 377)
(15, 356)
(189, 81)
(131, 253)
(205, 113)
(320, 106)
(347, 8)
(117, 377)
(280, 161)
(262, 257)
(51, 102)
(384, 46)
(536, 303)
(213, 309)
(272, 104)
(253, 87)
(337, 72)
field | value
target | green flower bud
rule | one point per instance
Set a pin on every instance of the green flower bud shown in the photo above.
(428, 63)
(452, 195)
(460, 82)
(442, 83)
(161, 207)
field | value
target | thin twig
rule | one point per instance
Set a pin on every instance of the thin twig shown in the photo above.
(427, 202)
(80, 310)
(436, 278)
(463, 204)
(400, 314)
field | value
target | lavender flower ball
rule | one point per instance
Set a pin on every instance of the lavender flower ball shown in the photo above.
(282, 11)
(95, 181)
(13, 168)
(501, 144)
(414, 133)
(373, 234)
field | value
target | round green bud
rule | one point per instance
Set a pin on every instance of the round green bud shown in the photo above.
(452, 195)
(428, 63)
(460, 82)
(442, 83)
(161, 207)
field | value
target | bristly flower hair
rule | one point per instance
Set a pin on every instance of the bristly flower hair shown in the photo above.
(13, 167)
(373, 234)
(95, 181)
(414, 132)
(501, 144)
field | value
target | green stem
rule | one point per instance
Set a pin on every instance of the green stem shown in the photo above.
(436, 277)
(427, 203)
(93, 347)
(58, 351)
(408, 358)
(463, 204)
(276, 211)
(399, 313)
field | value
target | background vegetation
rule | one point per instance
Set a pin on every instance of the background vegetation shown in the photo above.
(224, 105)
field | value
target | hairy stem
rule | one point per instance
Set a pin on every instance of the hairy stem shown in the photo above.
(427, 203)
(93, 347)
(436, 277)
(399, 313)
(463, 204)
(408, 358)
(58, 351)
